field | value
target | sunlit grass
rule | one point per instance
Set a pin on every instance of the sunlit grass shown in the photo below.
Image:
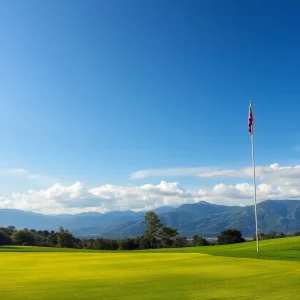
(163, 274)
(276, 249)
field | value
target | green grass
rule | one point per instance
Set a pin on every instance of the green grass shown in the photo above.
(218, 272)
(276, 249)
(42, 249)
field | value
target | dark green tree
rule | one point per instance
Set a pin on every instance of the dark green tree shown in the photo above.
(89, 244)
(167, 236)
(100, 244)
(52, 239)
(152, 225)
(271, 235)
(23, 237)
(128, 244)
(180, 241)
(96, 244)
(144, 243)
(5, 239)
(261, 236)
(8, 230)
(199, 241)
(230, 236)
(64, 238)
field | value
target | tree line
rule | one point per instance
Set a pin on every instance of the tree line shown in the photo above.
(156, 235)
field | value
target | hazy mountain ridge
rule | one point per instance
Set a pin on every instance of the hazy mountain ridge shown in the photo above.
(105, 221)
(199, 218)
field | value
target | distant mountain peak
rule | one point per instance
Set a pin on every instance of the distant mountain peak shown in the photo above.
(201, 218)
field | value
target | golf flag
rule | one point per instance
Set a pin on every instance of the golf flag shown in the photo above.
(250, 119)
(250, 128)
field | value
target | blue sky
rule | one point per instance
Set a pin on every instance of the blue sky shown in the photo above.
(92, 92)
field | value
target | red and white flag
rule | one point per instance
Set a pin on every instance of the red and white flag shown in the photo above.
(250, 120)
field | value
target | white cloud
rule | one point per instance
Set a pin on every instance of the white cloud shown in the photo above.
(242, 193)
(77, 198)
(274, 170)
(276, 182)
(273, 173)
(171, 172)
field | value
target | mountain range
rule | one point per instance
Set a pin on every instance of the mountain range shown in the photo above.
(200, 218)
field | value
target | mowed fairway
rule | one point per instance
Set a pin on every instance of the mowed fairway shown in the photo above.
(149, 275)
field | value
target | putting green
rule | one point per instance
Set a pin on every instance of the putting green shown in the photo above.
(96, 275)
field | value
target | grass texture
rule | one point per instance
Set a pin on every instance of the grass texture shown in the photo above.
(216, 272)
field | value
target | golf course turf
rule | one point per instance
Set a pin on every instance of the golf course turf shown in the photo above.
(215, 272)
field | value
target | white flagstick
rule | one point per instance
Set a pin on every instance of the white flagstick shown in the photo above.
(254, 182)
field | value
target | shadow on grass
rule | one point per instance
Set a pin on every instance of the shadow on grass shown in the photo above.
(24, 249)
(11, 248)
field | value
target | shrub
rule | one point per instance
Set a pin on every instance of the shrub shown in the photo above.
(5, 239)
(230, 236)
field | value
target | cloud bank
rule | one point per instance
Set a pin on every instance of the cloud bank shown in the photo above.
(77, 198)
(275, 182)
(272, 174)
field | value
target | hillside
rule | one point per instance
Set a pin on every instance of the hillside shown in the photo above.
(216, 272)
(199, 218)
(274, 249)
(209, 219)
(76, 223)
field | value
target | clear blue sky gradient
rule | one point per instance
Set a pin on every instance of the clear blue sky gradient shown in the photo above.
(95, 90)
